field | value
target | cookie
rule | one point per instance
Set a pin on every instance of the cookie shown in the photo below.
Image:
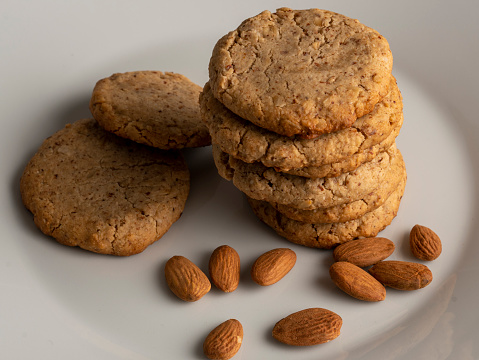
(89, 188)
(262, 183)
(352, 210)
(301, 72)
(250, 143)
(327, 236)
(151, 107)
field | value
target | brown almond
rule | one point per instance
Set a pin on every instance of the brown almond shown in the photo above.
(185, 279)
(356, 282)
(224, 268)
(224, 341)
(272, 266)
(425, 244)
(308, 327)
(402, 275)
(364, 252)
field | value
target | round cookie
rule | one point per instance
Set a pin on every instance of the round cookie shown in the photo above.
(89, 188)
(152, 108)
(305, 72)
(349, 211)
(250, 143)
(326, 236)
(262, 183)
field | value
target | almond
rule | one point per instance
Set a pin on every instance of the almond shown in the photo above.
(425, 244)
(224, 341)
(272, 266)
(356, 282)
(364, 252)
(308, 327)
(185, 279)
(224, 268)
(402, 275)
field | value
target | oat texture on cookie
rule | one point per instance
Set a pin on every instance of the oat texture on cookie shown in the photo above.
(89, 188)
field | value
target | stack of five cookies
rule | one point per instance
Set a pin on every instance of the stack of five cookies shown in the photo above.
(303, 113)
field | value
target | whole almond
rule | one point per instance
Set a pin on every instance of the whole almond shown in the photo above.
(402, 275)
(364, 252)
(272, 266)
(425, 244)
(308, 327)
(224, 341)
(356, 282)
(224, 268)
(185, 279)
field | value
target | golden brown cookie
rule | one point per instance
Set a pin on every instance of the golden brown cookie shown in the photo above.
(89, 188)
(352, 210)
(305, 72)
(151, 107)
(352, 146)
(327, 236)
(262, 183)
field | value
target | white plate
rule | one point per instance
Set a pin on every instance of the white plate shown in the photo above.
(64, 303)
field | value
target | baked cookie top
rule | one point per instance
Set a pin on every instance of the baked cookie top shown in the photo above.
(151, 107)
(248, 142)
(89, 188)
(305, 72)
(263, 183)
(326, 236)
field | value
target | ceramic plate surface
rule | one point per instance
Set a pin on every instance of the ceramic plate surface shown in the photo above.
(58, 302)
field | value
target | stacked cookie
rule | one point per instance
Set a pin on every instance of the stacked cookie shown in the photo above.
(303, 112)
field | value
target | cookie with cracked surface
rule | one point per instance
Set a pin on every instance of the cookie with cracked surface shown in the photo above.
(89, 188)
(263, 183)
(301, 72)
(352, 210)
(151, 107)
(326, 236)
(248, 142)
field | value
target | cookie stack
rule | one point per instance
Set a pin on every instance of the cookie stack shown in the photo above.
(303, 112)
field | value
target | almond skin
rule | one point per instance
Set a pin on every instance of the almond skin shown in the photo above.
(308, 327)
(364, 252)
(272, 266)
(356, 282)
(224, 268)
(185, 279)
(402, 275)
(425, 244)
(224, 341)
